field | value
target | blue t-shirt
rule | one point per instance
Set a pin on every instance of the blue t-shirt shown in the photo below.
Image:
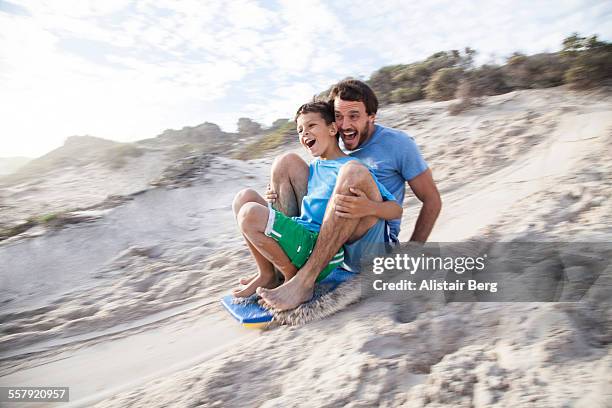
(395, 158)
(322, 176)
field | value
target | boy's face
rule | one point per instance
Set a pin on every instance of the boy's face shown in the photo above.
(354, 124)
(315, 135)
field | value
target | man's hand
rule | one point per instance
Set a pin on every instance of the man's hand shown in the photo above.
(357, 206)
(270, 195)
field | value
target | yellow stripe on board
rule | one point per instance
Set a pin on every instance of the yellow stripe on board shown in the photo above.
(255, 325)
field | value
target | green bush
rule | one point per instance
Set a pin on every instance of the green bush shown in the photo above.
(282, 135)
(403, 95)
(589, 71)
(579, 77)
(117, 156)
(590, 59)
(485, 81)
(443, 84)
(413, 78)
(382, 82)
(47, 218)
(583, 62)
(7, 232)
(535, 71)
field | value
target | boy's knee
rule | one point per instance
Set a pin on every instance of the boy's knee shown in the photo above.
(248, 214)
(285, 163)
(244, 196)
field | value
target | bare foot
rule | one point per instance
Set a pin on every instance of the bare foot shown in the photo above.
(288, 296)
(245, 280)
(257, 281)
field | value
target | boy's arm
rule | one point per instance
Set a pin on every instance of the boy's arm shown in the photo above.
(361, 206)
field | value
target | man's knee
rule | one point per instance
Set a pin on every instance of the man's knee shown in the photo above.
(244, 196)
(354, 174)
(287, 164)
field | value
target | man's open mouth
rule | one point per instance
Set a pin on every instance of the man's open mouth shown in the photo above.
(310, 142)
(349, 135)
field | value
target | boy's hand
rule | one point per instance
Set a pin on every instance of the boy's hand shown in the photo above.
(357, 206)
(271, 195)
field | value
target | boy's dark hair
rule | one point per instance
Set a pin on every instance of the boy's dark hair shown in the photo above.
(357, 91)
(325, 109)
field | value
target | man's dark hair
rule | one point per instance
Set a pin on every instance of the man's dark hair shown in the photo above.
(357, 91)
(325, 109)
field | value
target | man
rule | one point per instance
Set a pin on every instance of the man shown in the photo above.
(394, 158)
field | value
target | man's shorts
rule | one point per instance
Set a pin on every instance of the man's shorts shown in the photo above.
(373, 243)
(297, 241)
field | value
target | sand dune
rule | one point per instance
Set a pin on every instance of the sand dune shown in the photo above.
(123, 309)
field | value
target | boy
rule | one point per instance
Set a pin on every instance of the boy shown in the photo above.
(277, 240)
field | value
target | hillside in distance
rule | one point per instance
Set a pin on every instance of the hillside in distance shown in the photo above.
(9, 165)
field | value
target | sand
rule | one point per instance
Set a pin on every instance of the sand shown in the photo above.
(123, 308)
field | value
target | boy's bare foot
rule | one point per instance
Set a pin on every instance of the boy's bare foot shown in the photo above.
(245, 280)
(256, 282)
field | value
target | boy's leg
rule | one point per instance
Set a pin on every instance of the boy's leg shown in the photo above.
(252, 219)
(335, 231)
(248, 195)
(289, 179)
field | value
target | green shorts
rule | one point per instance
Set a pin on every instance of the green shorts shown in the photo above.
(297, 241)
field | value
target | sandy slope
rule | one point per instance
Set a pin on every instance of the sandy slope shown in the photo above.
(144, 262)
(67, 188)
(130, 299)
(479, 204)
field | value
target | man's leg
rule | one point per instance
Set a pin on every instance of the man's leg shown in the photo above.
(289, 179)
(252, 219)
(335, 231)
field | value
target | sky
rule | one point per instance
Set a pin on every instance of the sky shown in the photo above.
(128, 70)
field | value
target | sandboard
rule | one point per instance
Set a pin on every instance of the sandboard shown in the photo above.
(251, 315)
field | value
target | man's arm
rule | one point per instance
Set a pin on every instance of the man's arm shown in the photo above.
(424, 188)
(360, 206)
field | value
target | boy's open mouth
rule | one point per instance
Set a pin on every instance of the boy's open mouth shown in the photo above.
(310, 142)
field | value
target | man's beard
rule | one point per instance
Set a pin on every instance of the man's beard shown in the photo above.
(361, 136)
(363, 133)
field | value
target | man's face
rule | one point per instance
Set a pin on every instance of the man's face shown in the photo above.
(354, 124)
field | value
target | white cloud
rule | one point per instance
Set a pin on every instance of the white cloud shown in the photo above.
(283, 101)
(51, 94)
(173, 63)
(407, 31)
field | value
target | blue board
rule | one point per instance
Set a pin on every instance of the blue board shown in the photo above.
(250, 314)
